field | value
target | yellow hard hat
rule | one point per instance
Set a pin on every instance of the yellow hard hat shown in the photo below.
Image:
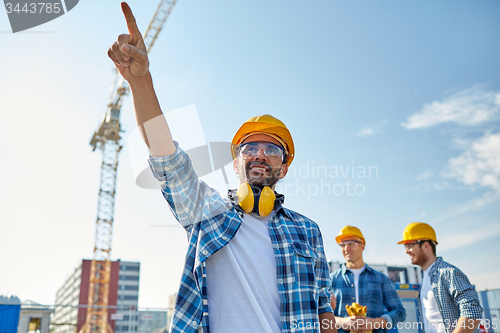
(265, 124)
(417, 231)
(349, 231)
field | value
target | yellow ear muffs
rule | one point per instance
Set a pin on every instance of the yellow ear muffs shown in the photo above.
(266, 201)
(245, 197)
(256, 200)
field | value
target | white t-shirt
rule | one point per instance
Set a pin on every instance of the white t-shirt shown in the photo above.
(356, 273)
(242, 287)
(433, 322)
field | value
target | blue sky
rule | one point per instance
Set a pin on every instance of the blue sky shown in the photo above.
(409, 88)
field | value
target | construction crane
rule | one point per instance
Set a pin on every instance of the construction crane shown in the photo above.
(107, 138)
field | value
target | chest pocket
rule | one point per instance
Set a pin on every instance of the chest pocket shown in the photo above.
(304, 262)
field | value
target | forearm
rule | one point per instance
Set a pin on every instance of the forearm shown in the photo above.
(342, 323)
(466, 325)
(327, 322)
(149, 117)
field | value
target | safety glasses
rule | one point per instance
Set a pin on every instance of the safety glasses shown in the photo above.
(271, 151)
(350, 244)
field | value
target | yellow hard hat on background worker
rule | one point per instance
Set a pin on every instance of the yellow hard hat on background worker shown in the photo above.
(349, 231)
(269, 125)
(418, 231)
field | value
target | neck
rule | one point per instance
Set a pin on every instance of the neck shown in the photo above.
(428, 263)
(355, 264)
(261, 187)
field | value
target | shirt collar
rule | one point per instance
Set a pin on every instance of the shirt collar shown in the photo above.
(278, 203)
(345, 269)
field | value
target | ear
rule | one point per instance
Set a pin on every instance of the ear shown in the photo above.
(236, 165)
(427, 247)
(283, 171)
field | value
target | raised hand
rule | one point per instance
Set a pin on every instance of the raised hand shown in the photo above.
(129, 52)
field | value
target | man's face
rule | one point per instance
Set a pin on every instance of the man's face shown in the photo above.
(258, 169)
(416, 253)
(352, 248)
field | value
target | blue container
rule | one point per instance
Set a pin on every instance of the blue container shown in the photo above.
(9, 317)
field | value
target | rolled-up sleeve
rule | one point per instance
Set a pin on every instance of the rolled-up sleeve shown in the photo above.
(190, 199)
(464, 295)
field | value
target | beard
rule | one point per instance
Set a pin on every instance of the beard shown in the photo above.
(420, 258)
(260, 179)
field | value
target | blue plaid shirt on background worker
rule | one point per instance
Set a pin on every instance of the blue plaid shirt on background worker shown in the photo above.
(211, 222)
(454, 294)
(375, 290)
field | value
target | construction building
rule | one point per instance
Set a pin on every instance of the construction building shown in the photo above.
(490, 301)
(397, 274)
(72, 298)
(34, 318)
(152, 321)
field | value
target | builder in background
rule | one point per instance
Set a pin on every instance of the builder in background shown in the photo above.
(447, 301)
(356, 282)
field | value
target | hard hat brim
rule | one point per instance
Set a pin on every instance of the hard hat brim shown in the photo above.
(264, 127)
(407, 241)
(339, 238)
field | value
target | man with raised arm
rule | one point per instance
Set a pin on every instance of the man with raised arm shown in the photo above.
(252, 265)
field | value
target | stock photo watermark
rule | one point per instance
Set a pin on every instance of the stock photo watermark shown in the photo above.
(213, 163)
(311, 180)
(26, 14)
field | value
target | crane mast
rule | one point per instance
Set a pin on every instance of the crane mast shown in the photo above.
(107, 138)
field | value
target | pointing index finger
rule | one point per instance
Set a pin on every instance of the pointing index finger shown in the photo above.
(129, 17)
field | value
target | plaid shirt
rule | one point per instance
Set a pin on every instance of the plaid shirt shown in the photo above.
(455, 296)
(375, 291)
(211, 222)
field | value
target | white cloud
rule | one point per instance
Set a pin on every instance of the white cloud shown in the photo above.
(472, 205)
(425, 175)
(367, 131)
(467, 107)
(372, 129)
(479, 165)
(450, 241)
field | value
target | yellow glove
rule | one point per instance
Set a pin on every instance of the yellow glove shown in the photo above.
(356, 309)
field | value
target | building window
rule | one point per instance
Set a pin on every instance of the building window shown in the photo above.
(397, 274)
(122, 287)
(128, 297)
(125, 328)
(130, 268)
(129, 277)
(35, 325)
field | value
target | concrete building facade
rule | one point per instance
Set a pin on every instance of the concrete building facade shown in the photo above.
(72, 298)
(397, 274)
(34, 318)
(152, 321)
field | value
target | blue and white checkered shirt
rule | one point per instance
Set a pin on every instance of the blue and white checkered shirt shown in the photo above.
(454, 294)
(376, 291)
(212, 221)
